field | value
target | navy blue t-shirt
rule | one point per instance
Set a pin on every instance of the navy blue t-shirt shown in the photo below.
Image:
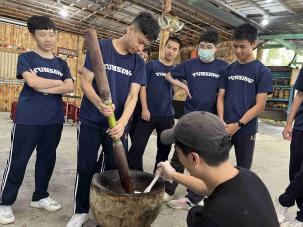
(159, 90)
(36, 108)
(298, 125)
(122, 71)
(203, 83)
(242, 83)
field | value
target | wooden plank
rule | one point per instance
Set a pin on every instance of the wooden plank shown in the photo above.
(2, 59)
(6, 96)
(280, 68)
(5, 64)
(1, 97)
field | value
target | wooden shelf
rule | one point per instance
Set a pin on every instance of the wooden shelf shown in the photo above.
(282, 86)
(276, 114)
(273, 108)
(280, 68)
(277, 100)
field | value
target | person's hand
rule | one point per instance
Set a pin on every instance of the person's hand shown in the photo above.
(32, 72)
(117, 131)
(145, 114)
(222, 120)
(231, 129)
(44, 91)
(287, 132)
(165, 171)
(185, 87)
(105, 110)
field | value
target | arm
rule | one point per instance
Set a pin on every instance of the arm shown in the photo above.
(250, 114)
(36, 82)
(287, 132)
(87, 78)
(178, 83)
(167, 172)
(145, 112)
(220, 103)
(66, 87)
(129, 107)
(256, 109)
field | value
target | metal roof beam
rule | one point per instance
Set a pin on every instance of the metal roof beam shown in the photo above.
(289, 46)
(272, 46)
(282, 36)
(286, 6)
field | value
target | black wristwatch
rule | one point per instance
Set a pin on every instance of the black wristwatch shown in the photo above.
(240, 124)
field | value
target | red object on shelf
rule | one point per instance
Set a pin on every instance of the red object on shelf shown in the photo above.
(13, 111)
(193, 53)
(73, 112)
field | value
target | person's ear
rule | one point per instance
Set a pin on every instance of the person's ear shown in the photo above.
(195, 158)
(254, 44)
(129, 29)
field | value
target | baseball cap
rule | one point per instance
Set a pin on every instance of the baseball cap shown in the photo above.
(198, 130)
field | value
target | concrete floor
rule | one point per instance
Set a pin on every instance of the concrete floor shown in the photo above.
(270, 163)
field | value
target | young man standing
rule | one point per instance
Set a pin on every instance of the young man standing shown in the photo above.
(202, 76)
(157, 110)
(39, 119)
(137, 112)
(294, 191)
(242, 95)
(236, 196)
(125, 72)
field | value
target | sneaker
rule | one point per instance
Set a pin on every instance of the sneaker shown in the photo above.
(281, 211)
(201, 203)
(294, 223)
(77, 220)
(6, 215)
(168, 197)
(181, 203)
(47, 203)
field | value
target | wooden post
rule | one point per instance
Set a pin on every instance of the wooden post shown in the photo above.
(164, 32)
(259, 54)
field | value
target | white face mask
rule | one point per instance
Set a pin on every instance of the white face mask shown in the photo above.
(206, 54)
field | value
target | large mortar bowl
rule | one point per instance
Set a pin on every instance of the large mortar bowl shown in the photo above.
(112, 207)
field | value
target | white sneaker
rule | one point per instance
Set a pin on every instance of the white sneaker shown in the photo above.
(201, 203)
(182, 203)
(168, 197)
(47, 203)
(281, 211)
(6, 215)
(77, 220)
(294, 223)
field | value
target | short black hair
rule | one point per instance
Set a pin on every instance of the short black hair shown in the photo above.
(148, 25)
(209, 36)
(246, 31)
(40, 23)
(174, 39)
(212, 157)
(146, 50)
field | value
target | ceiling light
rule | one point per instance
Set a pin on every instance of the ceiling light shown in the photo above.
(265, 21)
(63, 12)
